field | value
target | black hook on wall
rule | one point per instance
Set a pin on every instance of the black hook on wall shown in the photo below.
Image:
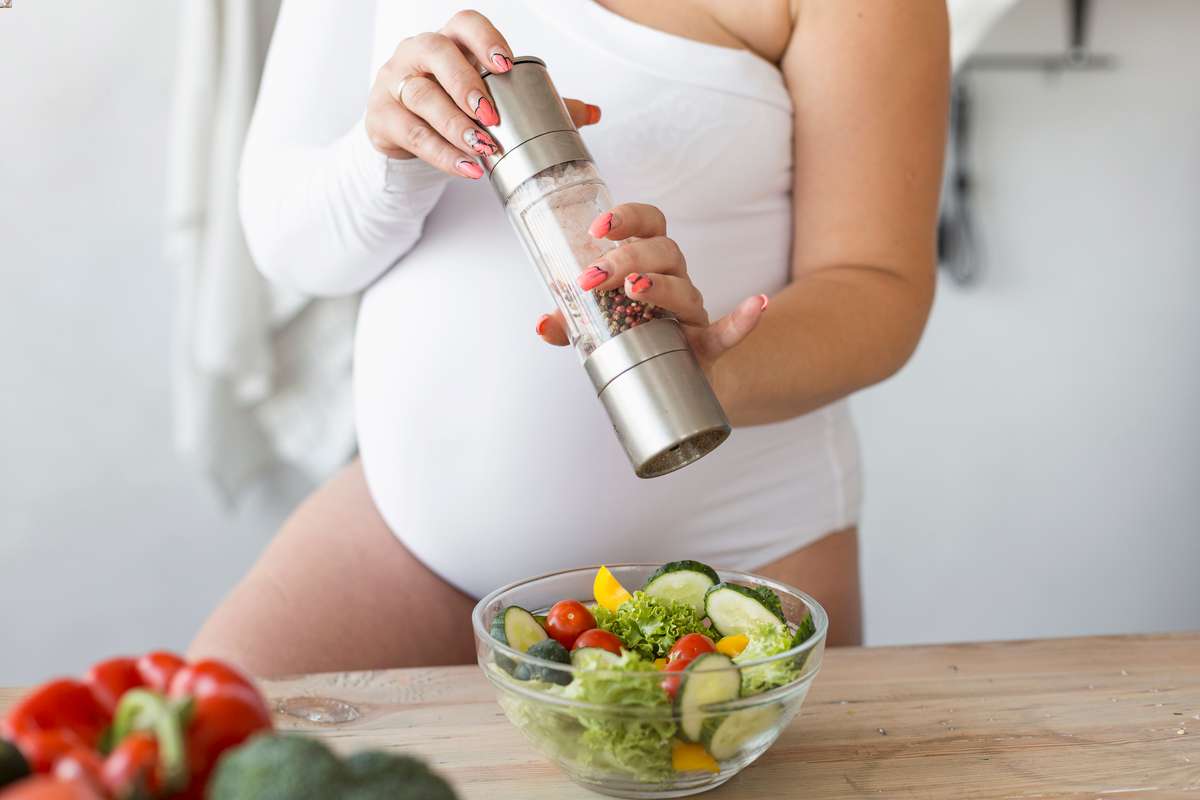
(1075, 57)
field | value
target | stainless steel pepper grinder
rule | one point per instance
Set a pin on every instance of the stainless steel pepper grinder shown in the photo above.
(661, 405)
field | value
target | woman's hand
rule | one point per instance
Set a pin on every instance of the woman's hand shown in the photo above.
(651, 269)
(428, 100)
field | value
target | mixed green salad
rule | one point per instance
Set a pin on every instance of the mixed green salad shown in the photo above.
(686, 623)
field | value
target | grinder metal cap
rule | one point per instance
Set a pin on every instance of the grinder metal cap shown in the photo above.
(535, 129)
(661, 406)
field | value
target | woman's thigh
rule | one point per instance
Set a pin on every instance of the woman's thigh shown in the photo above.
(828, 570)
(336, 590)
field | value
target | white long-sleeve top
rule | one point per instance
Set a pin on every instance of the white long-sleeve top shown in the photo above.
(486, 451)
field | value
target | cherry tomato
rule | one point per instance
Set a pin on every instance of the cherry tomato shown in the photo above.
(682, 653)
(566, 620)
(670, 683)
(598, 638)
(689, 646)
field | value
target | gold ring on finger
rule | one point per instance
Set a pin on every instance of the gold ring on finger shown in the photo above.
(398, 92)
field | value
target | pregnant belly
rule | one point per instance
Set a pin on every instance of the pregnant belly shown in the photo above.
(489, 456)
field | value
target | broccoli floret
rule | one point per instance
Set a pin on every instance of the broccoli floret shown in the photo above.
(278, 768)
(299, 768)
(387, 776)
(550, 650)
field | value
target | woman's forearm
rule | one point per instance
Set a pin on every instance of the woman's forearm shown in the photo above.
(329, 220)
(826, 335)
(869, 84)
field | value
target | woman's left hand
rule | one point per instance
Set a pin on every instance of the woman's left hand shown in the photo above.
(651, 268)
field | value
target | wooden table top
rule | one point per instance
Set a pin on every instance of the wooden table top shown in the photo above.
(1081, 718)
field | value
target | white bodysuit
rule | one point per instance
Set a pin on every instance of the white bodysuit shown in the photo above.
(485, 450)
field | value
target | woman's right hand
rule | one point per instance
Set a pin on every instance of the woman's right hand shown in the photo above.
(428, 101)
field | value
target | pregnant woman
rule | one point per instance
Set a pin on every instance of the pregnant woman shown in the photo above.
(781, 149)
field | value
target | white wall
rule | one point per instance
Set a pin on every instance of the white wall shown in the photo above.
(107, 542)
(1035, 470)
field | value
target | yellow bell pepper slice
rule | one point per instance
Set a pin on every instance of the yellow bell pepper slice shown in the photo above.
(660, 663)
(608, 591)
(688, 757)
(733, 645)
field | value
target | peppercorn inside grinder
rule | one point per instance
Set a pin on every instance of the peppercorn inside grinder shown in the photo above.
(662, 407)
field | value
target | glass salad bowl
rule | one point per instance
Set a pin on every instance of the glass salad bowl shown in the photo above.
(622, 724)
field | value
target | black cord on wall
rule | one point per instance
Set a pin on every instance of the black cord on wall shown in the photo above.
(959, 253)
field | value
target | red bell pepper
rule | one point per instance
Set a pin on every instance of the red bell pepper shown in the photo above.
(158, 668)
(165, 721)
(80, 764)
(52, 719)
(42, 749)
(228, 710)
(111, 679)
(108, 680)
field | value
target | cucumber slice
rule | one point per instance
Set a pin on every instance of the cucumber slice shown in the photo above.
(736, 609)
(710, 678)
(682, 581)
(549, 650)
(596, 657)
(515, 627)
(727, 736)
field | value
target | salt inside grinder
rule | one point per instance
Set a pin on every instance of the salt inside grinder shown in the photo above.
(661, 406)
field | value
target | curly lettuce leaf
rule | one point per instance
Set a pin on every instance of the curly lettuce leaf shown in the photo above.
(635, 744)
(767, 640)
(649, 626)
(625, 741)
(804, 631)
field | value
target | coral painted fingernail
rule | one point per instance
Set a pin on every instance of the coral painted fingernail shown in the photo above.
(501, 62)
(593, 114)
(764, 300)
(480, 142)
(469, 168)
(541, 324)
(638, 283)
(593, 277)
(601, 225)
(482, 108)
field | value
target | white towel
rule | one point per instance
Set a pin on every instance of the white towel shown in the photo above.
(261, 375)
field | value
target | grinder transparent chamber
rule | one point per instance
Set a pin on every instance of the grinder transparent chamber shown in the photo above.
(552, 212)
